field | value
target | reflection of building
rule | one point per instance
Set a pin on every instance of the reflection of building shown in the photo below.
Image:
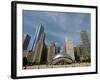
(85, 44)
(26, 40)
(57, 50)
(69, 49)
(61, 59)
(39, 31)
(51, 52)
(63, 56)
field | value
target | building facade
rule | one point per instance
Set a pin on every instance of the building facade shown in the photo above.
(39, 31)
(69, 49)
(51, 52)
(29, 56)
(77, 53)
(85, 45)
(43, 59)
(26, 40)
(38, 53)
(39, 49)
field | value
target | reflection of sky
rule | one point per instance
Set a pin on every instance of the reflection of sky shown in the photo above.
(57, 25)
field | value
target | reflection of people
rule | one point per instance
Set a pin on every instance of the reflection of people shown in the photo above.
(25, 62)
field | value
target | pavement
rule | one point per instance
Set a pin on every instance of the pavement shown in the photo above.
(57, 66)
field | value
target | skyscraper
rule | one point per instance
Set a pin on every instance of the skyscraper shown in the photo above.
(85, 44)
(38, 44)
(39, 31)
(69, 49)
(43, 59)
(26, 40)
(51, 52)
(39, 49)
(77, 53)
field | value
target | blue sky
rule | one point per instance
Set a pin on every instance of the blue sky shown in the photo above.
(57, 25)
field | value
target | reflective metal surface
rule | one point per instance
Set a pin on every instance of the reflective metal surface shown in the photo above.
(61, 55)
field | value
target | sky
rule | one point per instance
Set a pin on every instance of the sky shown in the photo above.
(57, 25)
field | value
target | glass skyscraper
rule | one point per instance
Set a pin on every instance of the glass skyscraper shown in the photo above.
(51, 52)
(85, 44)
(39, 31)
(38, 43)
(69, 48)
(26, 40)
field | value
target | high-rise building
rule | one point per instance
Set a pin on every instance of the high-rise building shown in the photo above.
(85, 44)
(38, 44)
(23, 37)
(77, 53)
(39, 31)
(43, 59)
(69, 49)
(26, 40)
(51, 52)
(39, 49)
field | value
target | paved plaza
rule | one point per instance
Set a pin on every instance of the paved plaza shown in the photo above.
(57, 66)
